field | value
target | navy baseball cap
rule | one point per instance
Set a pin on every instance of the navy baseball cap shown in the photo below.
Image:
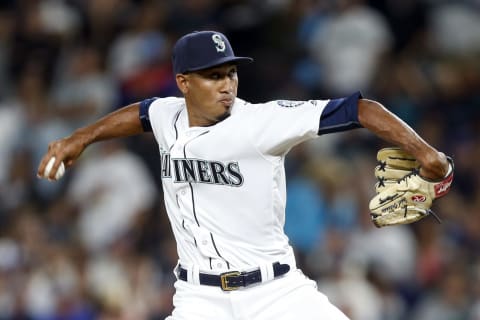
(202, 50)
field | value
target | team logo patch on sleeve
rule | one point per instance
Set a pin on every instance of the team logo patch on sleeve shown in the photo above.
(289, 103)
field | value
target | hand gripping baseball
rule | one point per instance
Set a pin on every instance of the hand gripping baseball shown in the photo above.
(408, 199)
(61, 154)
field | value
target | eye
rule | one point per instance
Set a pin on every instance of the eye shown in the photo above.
(232, 73)
(215, 76)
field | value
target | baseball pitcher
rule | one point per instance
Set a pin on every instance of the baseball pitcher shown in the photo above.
(222, 165)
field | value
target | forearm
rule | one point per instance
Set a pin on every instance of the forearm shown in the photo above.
(121, 123)
(387, 126)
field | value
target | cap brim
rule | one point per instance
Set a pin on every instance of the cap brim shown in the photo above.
(218, 62)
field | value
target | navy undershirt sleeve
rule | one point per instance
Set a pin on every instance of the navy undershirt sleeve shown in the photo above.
(143, 113)
(340, 115)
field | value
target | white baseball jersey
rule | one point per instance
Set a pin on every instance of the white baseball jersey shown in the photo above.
(224, 185)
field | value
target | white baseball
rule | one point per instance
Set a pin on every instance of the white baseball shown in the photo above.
(48, 168)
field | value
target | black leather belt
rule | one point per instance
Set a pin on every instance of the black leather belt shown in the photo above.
(234, 280)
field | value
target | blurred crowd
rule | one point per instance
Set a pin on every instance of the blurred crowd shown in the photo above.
(97, 244)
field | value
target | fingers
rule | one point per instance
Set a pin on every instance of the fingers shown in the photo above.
(48, 170)
(57, 169)
(42, 165)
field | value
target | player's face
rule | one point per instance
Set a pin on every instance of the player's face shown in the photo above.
(210, 94)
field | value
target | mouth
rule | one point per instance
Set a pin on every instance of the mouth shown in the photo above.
(227, 101)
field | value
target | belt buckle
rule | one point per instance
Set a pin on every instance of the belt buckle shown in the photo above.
(224, 280)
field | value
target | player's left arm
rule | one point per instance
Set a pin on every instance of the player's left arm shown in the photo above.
(375, 117)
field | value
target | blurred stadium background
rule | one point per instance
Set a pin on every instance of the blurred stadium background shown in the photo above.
(97, 245)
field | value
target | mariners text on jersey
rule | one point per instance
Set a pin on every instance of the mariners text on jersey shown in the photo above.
(201, 171)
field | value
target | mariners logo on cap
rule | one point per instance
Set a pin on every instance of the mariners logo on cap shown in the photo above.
(219, 43)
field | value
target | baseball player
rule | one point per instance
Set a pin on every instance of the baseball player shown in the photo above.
(222, 165)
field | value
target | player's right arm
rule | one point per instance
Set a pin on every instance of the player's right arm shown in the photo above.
(123, 122)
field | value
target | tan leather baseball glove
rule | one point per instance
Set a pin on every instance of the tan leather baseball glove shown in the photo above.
(403, 196)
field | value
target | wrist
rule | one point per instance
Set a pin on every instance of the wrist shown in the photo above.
(82, 138)
(435, 166)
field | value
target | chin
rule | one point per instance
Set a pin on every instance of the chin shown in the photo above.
(223, 116)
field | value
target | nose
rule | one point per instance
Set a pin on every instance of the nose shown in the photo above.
(228, 85)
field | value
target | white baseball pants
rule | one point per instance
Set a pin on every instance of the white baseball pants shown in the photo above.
(290, 297)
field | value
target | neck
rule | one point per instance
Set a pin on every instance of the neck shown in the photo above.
(196, 119)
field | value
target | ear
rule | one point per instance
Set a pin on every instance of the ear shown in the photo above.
(182, 82)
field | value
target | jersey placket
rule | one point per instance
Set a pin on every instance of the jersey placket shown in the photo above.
(202, 237)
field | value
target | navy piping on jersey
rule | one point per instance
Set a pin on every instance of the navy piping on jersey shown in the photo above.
(189, 183)
(218, 252)
(340, 115)
(175, 127)
(143, 114)
(175, 124)
(193, 205)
